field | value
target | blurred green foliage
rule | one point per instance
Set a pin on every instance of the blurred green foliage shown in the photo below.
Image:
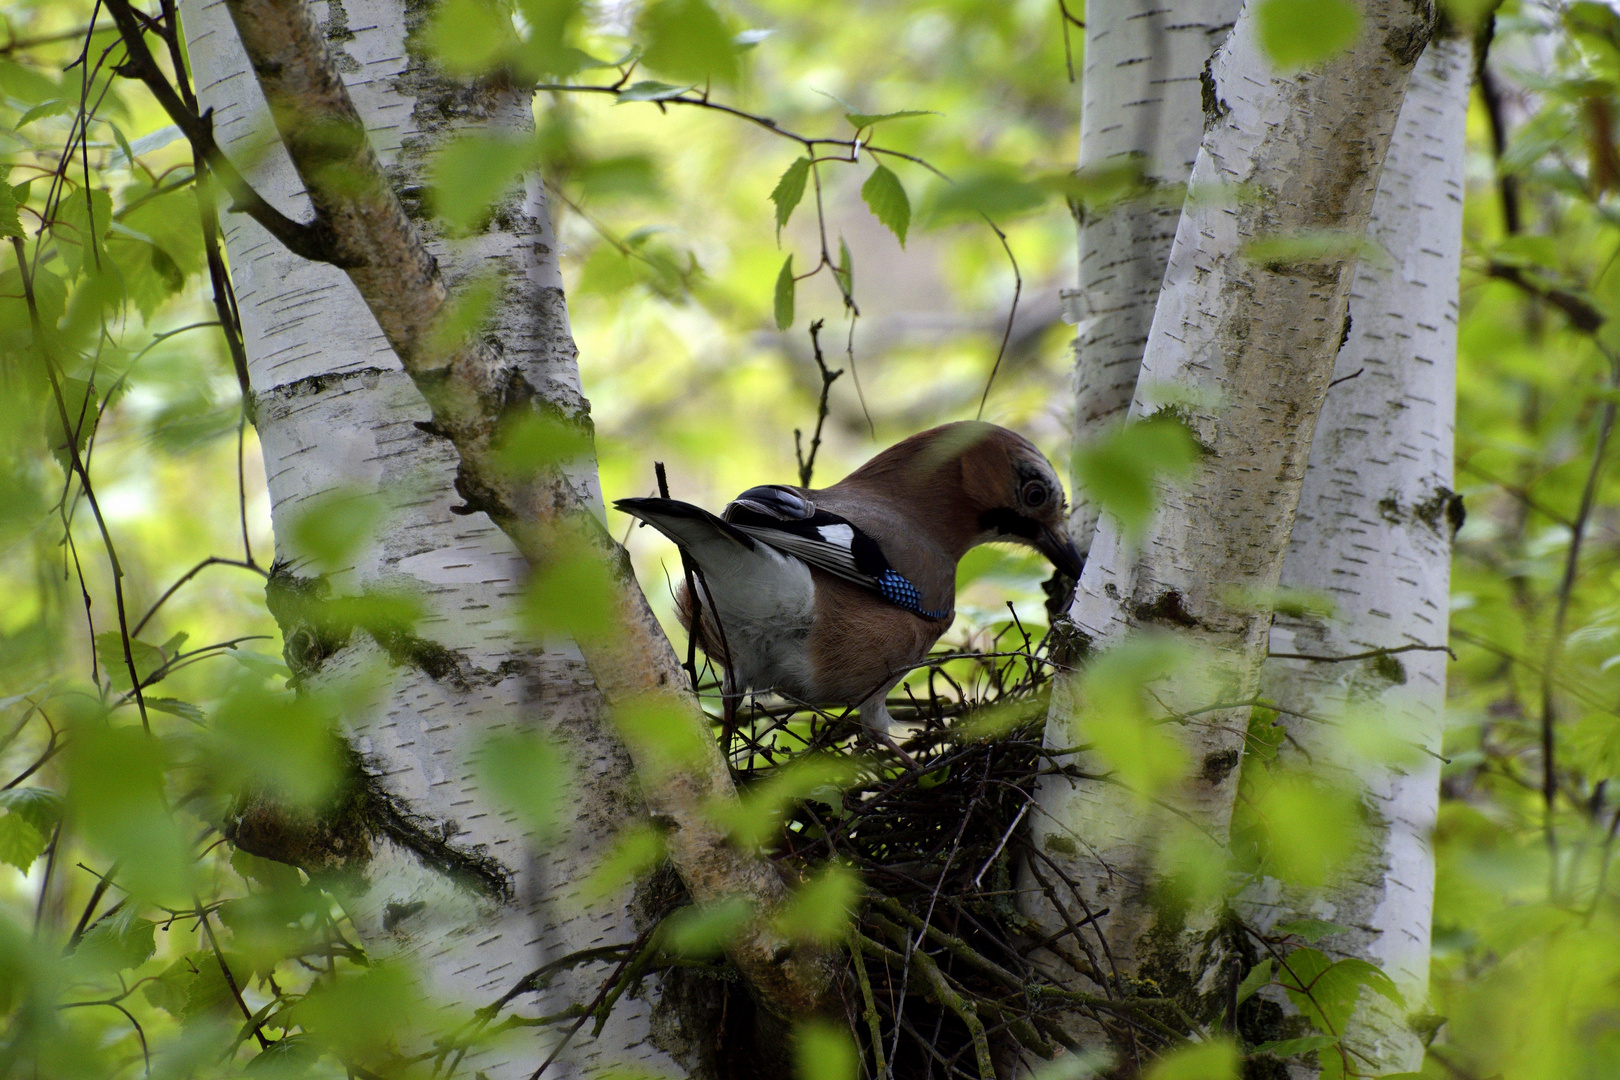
(130, 933)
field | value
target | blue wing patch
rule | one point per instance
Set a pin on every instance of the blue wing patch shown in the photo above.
(893, 587)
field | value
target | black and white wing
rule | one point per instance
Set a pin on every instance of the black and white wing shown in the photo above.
(790, 522)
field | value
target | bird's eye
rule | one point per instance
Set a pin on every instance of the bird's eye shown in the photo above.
(1034, 494)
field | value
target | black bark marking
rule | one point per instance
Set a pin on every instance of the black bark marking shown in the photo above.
(1168, 607)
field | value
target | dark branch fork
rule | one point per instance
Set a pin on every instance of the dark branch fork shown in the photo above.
(807, 465)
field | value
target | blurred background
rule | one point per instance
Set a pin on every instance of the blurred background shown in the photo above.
(670, 257)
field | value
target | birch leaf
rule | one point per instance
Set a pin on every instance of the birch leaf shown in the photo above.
(1258, 976)
(788, 191)
(649, 90)
(704, 929)
(887, 201)
(820, 909)
(687, 39)
(10, 222)
(866, 120)
(527, 776)
(20, 842)
(1216, 1059)
(1303, 33)
(1311, 930)
(784, 295)
(825, 1051)
(1286, 1048)
(845, 270)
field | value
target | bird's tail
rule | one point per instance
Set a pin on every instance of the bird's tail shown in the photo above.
(703, 537)
(692, 527)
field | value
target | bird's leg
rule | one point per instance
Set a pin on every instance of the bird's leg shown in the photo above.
(729, 697)
(875, 719)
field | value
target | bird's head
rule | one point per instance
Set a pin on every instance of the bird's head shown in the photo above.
(1018, 497)
(983, 484)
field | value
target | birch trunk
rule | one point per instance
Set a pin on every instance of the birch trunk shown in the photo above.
(1141, 98)
(1247, 345)
(1373, 533)
(438, 876)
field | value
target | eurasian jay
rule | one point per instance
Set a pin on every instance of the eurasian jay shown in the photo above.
(831, 595)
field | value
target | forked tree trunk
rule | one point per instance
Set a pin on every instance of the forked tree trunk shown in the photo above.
(429, 869)
(1246, 345)
(1373, 534)
(1141, 100)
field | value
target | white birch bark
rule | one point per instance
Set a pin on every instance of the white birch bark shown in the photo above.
(335, 410)
(1248, 346)
(1373, 533)
(1141, 98)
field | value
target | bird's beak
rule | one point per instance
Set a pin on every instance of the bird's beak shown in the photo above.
(1056, 546)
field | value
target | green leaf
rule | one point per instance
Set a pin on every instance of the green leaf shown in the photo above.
(637, 850)
(1326, 992)
(619, 175)
(1311, 930)
(175, 707)
(1121, 471)
(1313, 248)
(265, 872)
(666, 736)
(40, 807)
(845, 270)
(59, 107)
(866, 120)
(649, 90)
(363, 1014)
(116, 797)
(73, 229)
(825, 1051)
(469, 37)
(331, 528)
(789, 190)
(550, 23)
(704, 929)
(688, 39)
(474, 171)
(821, 908)
(1308, 829)
(784, 295)
(466, 313)
(10, 221)
(276, 741)
(1216, 1059)
(110, 652)
(1114, 718)
(573, 595)
(119, 943)
(1303, 33)
(529, 443)
(1258, 977)
(887, 201)
(756, 816)
(123, 145)
(995, 192)
(1286, 1048)
(192, 986)
(155, 140)
(20, 842)
(527, 776)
